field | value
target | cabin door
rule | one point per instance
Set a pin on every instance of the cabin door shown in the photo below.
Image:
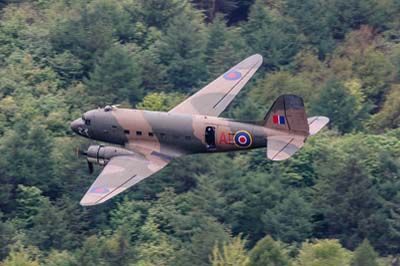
(210, 138)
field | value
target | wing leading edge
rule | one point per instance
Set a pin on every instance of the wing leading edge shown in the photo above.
(216, 96)
(120, 173)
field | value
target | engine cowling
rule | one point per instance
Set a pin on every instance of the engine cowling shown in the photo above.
(101, 155)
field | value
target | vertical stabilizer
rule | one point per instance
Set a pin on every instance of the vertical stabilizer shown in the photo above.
(288, 114)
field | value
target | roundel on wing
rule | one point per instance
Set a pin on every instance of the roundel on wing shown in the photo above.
(99, 190)
(232, 75)
(243, 139)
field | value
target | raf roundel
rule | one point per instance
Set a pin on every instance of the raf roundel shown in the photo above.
(232, 75)
(99, 190)
(243, 139)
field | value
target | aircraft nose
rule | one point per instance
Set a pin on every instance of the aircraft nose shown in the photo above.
(75, 125)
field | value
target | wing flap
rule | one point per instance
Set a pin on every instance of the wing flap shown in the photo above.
(213, 99)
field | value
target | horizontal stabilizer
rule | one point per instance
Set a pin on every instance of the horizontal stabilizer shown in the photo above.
(283, 147)
(316, 123)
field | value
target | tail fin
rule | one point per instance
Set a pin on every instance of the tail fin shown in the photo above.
(288, 115)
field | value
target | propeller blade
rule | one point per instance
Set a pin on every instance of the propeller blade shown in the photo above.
(90, 167)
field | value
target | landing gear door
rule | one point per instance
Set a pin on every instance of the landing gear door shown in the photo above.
(210, 138)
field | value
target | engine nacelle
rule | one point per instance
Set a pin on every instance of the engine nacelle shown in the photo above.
(101, 155)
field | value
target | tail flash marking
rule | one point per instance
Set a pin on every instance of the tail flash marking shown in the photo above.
(279, 119)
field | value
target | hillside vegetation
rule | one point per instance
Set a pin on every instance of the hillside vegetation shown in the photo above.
(336, 203)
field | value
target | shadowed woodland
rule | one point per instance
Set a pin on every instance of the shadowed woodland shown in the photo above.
(335, 203)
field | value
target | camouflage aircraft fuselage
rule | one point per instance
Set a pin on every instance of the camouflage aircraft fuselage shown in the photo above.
(183, 134)
(151, 140)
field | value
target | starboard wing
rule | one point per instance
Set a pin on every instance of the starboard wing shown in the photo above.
(119, 174)
(216, 96)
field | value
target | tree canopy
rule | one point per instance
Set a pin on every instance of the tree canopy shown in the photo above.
(336, 202)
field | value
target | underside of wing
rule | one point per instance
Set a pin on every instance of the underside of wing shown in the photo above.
(283, 147)
(216, 96)
(120, 173)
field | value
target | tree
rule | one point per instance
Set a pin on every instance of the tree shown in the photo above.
(312, 18)
(346, 201)
(388, 116)
(7, 232)
(112, 250)
(20, 257)
(129, 216)
(271, 35)
(159, 14)
(29, 202)
(200, 246)
(89, 34)
(364, 255)
(116, 78)
(269, 252)
(336, 102)
(50, 229)
(289, 220)
(62, 258)
(323, 253)
(232, 253)
(212, 7)
(154, 247)
(347, 15)
(181, 50)
(225, 47)
(90, 253)
(28, 147)
(160, 101)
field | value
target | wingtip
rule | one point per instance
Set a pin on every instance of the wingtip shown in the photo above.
(86, 204)
(317, 123)
(254, 61)
(257, 57)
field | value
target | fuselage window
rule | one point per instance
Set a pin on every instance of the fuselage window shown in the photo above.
(138, 133)
(151, 134)
(87, 122)
(127, 132)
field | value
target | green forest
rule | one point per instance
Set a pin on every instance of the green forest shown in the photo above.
(335, 203)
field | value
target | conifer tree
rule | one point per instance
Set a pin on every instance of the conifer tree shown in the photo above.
(365, 255)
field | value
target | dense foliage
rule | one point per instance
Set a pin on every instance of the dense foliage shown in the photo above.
(337, 202)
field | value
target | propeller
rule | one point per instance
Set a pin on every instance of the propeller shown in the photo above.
(90, 167)
(83, 153)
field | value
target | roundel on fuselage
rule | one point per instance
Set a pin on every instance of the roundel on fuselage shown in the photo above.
(242, 139)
